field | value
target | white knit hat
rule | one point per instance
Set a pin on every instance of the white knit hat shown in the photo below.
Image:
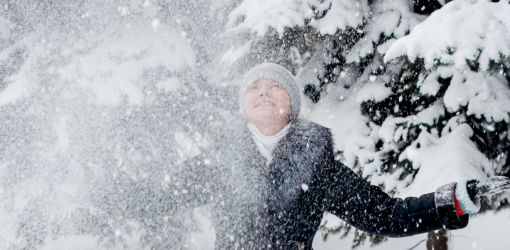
(277, 73)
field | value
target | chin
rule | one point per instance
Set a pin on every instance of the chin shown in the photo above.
(263, 118)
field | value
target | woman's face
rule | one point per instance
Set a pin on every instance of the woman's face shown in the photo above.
(267, 101)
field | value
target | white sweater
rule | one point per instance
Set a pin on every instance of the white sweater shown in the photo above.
(266, 144)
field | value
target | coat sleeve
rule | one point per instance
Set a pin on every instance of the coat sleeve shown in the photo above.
(370, 209)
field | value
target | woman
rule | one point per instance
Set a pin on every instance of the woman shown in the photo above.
(277, 183)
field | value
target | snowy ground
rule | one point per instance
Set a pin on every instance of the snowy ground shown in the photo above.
(484, 232)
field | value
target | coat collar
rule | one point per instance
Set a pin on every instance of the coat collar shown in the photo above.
(295, 158)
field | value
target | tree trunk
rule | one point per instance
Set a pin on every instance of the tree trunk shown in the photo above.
(437, 240)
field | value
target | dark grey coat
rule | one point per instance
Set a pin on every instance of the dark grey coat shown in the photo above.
(280, 205)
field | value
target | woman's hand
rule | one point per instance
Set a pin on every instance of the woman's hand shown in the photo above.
(489, 186)
(468, 193)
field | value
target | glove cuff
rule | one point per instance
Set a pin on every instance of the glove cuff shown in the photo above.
(466, 204)
(446, 210)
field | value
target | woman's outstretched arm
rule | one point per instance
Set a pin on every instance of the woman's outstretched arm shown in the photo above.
(368, 208)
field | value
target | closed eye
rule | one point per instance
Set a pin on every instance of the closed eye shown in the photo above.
(275, 86)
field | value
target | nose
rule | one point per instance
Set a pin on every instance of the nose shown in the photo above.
(263, 91)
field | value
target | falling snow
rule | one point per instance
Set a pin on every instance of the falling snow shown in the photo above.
(104, 106)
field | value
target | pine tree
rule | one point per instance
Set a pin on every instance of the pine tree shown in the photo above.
(456, 80)
(448, 104)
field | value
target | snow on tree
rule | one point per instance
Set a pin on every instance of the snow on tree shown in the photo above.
(270, 32)
(458, 91)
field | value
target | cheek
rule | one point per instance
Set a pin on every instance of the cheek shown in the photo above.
(284, 104)
(249, 100)
(283, 99)
(284, 110)
(249, 103)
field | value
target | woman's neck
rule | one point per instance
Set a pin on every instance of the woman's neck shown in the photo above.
(269, 129)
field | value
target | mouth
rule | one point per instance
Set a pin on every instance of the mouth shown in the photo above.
(264, 103)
